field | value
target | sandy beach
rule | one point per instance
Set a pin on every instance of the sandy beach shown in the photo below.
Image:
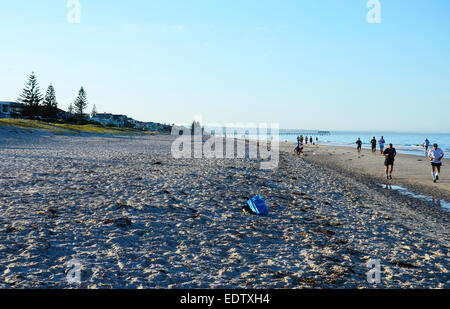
(137, 218)
(410, 171)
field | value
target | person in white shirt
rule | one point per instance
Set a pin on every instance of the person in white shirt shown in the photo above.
(435, 155)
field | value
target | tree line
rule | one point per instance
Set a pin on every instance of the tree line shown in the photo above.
(47, 106)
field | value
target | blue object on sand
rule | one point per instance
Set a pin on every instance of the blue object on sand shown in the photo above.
(258, 206)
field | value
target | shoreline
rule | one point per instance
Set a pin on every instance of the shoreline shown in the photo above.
(417, 153)
(410, 171)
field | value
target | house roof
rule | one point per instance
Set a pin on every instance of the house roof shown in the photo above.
(103, 116)
(12, 104)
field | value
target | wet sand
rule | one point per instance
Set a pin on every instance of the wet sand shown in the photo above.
(410, 171)
(137, 218)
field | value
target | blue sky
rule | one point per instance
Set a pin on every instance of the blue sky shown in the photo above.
(304, 64)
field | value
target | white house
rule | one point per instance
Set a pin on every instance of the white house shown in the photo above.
(104, 118)
(5, 109)
(110, 119)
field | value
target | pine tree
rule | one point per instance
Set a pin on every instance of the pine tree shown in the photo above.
(80, 103)
(70, 110)
(49, 108)
(31, 95)
(50, 98)
(94, 111)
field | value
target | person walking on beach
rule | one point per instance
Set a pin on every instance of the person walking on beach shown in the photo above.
(301, 139)
(390, 154)
(306, 140)
(311, 140)
(382, 142)
(435, 155)
(359, 143)
(426, 145)
(374, 144)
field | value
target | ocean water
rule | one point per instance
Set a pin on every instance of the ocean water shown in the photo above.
(404, 191)
(409, 143)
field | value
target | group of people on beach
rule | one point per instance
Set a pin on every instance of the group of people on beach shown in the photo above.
(301, 139)
(435, 155)
(373, 142)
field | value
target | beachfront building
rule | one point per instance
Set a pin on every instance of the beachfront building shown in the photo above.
(120, 120)
(123, 121)
(132, 123)
(16, 109)
(110, 119)
(104, 118)
(152, 126)
(11, 109)
(135, 124)
(140, 125)
(5, 109)
(63, 115)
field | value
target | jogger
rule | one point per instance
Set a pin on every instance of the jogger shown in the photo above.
(390, 154)
(359, 143)
(435, 155)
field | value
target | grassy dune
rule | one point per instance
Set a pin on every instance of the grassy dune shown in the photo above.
(66, 128)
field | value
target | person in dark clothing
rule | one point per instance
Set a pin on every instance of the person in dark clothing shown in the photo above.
(299, 148)
(390, 154)
(374, 144)
(359, 143)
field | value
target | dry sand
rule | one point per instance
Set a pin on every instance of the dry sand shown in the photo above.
(137, 218)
